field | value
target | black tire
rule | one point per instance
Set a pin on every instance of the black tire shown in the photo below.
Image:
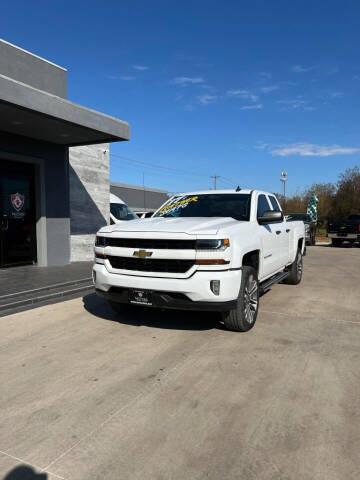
(243, 317)
(313, 240)
(295, 269)
(336, 242)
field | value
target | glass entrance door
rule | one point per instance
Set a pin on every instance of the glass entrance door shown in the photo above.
(17, 214)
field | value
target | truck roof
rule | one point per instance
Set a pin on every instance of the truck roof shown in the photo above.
(203, 192)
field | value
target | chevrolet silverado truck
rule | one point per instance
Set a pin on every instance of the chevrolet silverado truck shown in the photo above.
(209, 250)
(346, 230)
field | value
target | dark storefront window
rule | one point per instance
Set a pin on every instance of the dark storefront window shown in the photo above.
(17, 214)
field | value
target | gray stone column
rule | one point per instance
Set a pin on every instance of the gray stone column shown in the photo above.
(89, 185)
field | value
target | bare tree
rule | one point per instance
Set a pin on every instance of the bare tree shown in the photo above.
(347, 198)
(325, 192)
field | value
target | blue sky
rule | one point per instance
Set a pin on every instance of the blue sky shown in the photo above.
(242, 89)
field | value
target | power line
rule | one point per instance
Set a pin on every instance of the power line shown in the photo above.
(227, 182)
(160, 167)
(152, 171)
(199, 185)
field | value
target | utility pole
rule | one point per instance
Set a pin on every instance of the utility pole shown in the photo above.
(215, 177)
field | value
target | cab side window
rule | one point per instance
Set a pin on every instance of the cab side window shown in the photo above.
(262, 205)
(274, 203)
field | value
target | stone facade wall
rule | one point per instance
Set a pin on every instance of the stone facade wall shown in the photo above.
(89, 197)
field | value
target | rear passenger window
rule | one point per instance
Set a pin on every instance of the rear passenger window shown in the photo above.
(262, 205)
(274, 203)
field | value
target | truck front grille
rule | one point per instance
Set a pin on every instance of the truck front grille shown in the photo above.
(150, 243)
(151, 264)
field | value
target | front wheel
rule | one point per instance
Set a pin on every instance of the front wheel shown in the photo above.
(295, 270)
(243, 317)
(336, 242)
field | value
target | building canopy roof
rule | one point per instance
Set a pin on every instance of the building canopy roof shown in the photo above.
(34, 113)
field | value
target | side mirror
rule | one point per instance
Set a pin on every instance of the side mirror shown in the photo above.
(270, 216)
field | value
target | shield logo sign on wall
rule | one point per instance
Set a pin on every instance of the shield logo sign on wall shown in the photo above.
(17, 201)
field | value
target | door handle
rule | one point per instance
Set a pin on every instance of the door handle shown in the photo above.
(287, 230)
(4, 225)
(278, 232)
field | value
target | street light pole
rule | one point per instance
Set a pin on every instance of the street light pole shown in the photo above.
(283, 179)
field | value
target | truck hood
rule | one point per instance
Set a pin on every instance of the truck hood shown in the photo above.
(190, 226)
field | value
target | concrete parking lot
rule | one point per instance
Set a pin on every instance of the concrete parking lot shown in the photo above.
(170, 395)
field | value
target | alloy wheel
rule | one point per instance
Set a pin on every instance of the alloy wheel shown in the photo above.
(250, 299)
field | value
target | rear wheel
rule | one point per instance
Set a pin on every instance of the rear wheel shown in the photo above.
(336, 242)
(295, 269)
(243, 317)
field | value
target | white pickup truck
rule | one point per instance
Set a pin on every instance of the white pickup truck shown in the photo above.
(210, 250)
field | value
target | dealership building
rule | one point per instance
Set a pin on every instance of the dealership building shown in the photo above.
(139, 199)
(54, 164)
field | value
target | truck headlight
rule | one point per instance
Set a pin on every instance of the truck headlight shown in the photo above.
(213, 244)
(100, 241)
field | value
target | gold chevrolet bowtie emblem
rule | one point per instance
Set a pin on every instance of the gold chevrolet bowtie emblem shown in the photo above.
(142, 254)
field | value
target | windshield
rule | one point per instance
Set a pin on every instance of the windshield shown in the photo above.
(299, 216)
(233, 205)
(122, 211)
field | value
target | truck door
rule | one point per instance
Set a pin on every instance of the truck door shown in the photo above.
(268, 239)
(282, 236)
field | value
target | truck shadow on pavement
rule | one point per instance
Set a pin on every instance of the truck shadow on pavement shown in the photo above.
(152, 317)
(343, 245)
(23, 472)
